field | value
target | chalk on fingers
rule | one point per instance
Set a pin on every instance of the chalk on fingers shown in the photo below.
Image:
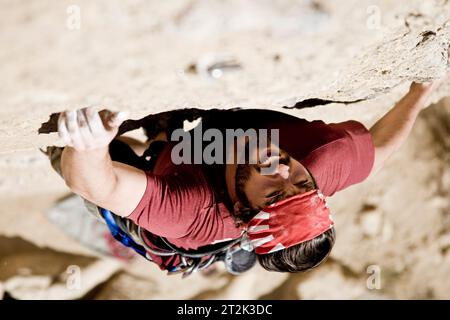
(118, 118)
(62, 129)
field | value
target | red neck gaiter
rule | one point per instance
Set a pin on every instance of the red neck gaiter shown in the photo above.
(289, 222)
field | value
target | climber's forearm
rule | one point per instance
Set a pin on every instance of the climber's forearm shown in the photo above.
(89, 173)
(390, 132)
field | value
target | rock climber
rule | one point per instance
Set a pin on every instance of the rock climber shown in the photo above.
(282, 212)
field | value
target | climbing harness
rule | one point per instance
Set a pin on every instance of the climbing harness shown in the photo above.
(191, 261)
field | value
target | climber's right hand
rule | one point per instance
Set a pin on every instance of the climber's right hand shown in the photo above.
(428, 87)
(87, 129)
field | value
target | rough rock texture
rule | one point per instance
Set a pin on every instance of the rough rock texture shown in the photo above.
(330, 60)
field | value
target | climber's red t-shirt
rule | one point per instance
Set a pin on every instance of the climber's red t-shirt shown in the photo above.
(179, 203)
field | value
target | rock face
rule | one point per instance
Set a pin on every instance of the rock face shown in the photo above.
(319, 59)
(139, 57)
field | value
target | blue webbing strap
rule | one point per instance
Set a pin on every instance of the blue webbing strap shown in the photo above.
(124, 238)
(121, 235)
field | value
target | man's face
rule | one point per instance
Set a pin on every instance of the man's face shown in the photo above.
(259, 189)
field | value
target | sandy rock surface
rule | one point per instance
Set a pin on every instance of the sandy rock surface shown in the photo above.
(321, 59)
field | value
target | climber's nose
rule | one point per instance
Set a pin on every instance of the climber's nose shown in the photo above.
(280, 169)
(283, 171)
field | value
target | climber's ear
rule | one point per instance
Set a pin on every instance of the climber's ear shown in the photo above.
(238, 208)
(242, 214)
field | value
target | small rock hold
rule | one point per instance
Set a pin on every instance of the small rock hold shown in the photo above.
(425, 36)
(368, 207)
(192, 68)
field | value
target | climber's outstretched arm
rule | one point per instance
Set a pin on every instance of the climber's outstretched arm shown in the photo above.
(391, 131)
(87, 167)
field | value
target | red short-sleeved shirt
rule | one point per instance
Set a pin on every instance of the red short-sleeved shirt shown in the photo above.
(180, 205)
(337, 154)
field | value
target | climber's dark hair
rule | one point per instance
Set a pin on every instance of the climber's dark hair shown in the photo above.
(301, 257)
